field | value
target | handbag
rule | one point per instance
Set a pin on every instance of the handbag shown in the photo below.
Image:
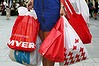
(75, 50)
(81, 7)
(24, 31)
(52, 47)
(78, 23)
(27, 58)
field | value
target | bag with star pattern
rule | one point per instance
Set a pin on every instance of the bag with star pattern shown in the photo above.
(75, 50)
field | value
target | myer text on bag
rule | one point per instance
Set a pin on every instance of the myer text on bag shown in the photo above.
(21, 44)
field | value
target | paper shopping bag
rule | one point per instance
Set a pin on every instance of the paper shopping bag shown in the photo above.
(75, 50)
(78, 23)
(52, 47)
(24, 33)
(27, 58)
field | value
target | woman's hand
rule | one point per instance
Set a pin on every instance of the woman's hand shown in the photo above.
(62, 11)
(30, 4)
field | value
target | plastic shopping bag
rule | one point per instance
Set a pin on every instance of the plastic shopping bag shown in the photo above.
(27, 58)
(78, 23)
(81, 7)
(52, 47)
(24, 31)
(75, 50)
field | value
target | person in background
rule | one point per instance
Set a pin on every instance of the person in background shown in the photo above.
(86, 1)
(7, 12)
(90, 5)
(48, 13)
(95, 5)
(3, 7)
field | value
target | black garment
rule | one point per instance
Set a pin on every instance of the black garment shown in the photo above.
(90, 5)
(96, 7)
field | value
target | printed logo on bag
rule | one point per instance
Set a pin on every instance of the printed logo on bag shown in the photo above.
(74, 47)
(81, 49)
(22, 44)
(75, 55)
(76, 40)
(22, 57)
(70, 54)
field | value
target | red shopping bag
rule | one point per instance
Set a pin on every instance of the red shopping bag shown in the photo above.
(75, 50)
(24, 33)
(52, 47)
(78, 23)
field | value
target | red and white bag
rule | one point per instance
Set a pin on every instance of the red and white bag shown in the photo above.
(81, 7)
(75, 50)
(24, 31)
(77, 22)
(27, 58)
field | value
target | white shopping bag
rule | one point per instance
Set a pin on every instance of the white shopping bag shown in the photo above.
(75, 50)
(22, 11)
(81, 6)
(27, 58)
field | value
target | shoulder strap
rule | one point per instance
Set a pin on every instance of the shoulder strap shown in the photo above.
(69, 8)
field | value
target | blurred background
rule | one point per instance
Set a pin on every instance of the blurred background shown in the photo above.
(13, 5)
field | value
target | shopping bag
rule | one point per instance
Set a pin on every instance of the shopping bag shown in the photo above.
(52, 47)
(75, 50)
(24, 31)
(78, 23)
(27, 58)
(81, 7)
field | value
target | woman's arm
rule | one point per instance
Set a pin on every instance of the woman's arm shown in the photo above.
(62, 10)
(30, 4)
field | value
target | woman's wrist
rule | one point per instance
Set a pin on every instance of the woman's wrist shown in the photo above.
(31, 0)
(61, 4)
(30, 4)
(62, 9)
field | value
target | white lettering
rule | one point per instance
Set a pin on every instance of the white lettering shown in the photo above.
(31, 45)
(25, 44)
(21, 44)
(11, 42)
(18, 43)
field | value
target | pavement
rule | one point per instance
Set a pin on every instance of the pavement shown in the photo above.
(5, 31)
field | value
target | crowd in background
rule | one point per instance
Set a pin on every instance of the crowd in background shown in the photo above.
(93, 8)
(13, 8)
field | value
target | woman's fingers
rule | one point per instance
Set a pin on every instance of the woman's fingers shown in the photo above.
(62, 11)
(29, 5)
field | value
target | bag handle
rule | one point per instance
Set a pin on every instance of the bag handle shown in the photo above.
(59, 23)
(69, 7)
(66, 8)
